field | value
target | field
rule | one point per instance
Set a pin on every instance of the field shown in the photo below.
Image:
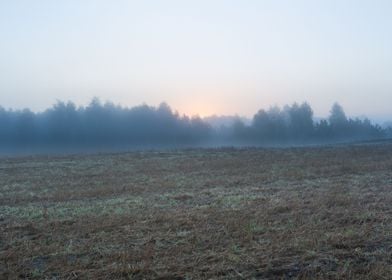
(294, 213)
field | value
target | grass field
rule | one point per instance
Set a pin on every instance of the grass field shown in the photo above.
(295, 213)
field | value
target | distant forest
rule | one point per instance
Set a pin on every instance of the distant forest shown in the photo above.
(105, 125)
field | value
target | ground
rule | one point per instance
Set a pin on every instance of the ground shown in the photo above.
(293, 213)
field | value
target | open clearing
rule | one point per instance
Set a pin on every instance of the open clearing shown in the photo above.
(298, 213)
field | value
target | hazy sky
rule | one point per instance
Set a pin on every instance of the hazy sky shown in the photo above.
(204, 56)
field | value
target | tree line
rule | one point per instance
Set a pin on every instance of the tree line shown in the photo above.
(108, 125)
(296, 124)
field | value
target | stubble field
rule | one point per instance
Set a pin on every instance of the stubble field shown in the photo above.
(294, 213)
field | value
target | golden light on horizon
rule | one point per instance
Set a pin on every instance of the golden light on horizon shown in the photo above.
(220, 102)
(201, 109)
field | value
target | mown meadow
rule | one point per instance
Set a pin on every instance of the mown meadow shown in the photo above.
(251, 213)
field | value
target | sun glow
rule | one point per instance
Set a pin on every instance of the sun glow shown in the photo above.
(201, 109)
(205, 100)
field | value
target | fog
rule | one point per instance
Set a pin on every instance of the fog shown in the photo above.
(104, 127)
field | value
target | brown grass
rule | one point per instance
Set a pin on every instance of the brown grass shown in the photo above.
(300, 213)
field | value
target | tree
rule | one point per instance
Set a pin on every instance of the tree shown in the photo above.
(300, 121)
(337, 116)
(270, 125)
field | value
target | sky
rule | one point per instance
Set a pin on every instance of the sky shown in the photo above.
(201, 57)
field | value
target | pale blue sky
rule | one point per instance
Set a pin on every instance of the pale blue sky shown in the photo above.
(201, 56)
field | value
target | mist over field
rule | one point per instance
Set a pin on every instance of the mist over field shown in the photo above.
(107, 127)
(197, 139)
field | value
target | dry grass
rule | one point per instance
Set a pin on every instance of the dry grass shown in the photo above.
(301, 213)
